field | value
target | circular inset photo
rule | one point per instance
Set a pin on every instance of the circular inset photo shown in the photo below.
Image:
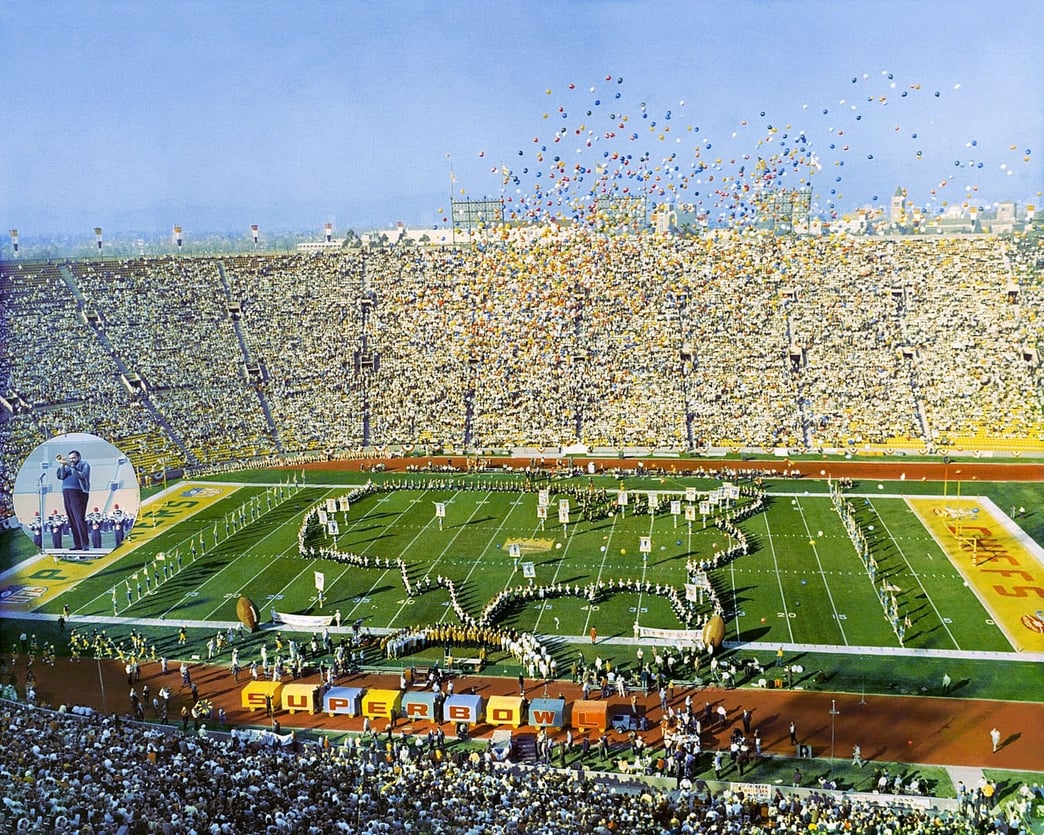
(76, 496)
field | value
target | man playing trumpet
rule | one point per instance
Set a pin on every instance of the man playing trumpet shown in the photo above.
(75, 475)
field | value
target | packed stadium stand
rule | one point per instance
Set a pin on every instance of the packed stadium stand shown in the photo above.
(728, 341)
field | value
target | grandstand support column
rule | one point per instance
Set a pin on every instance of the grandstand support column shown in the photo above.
(366, 416)
(366, 362)
(469, 401)
(255, 373)
(687, 359)
(471, 385)
(797, 363)
(580, 361)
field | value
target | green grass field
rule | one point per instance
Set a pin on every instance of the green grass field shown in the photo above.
(802, 584)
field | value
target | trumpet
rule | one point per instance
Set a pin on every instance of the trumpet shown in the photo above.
(60, 459)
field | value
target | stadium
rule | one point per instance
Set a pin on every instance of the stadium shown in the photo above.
(763, 484)
(443, 432)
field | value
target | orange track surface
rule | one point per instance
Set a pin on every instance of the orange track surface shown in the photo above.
(940, 731)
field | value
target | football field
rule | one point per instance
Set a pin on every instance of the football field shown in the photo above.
(460, 542)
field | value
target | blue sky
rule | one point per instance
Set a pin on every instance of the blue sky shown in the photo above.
(139, 115)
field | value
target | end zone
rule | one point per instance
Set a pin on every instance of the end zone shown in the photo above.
(1003, 566)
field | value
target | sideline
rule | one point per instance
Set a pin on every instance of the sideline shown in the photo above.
(737, 646)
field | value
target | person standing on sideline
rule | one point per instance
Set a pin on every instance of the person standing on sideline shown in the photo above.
(995, 739)
(793, 734)
(75, 475)
(594, 635)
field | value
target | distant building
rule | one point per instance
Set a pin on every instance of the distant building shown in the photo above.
(897, 210)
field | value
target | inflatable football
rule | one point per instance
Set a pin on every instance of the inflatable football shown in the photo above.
(714, 632)
(247, 613)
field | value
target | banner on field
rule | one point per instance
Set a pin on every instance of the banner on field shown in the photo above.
(694, 635)
(320, 580)
(302, 622)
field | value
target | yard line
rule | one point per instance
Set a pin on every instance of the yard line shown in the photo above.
(191, 538)
(245, 553)
(479, 559)
(460, 529)
(601, 568)
(380, 578)
(262, 570)
(914, 574)
(735, 601)
(438, 559)
(303, 571)
(356, 522)
(145, 556)
(189, 596)
(645, 569)
(826, 585)
(561, 562)
(779, 579)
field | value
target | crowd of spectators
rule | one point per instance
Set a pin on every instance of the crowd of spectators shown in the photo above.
(733, 341)
(79, 771)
